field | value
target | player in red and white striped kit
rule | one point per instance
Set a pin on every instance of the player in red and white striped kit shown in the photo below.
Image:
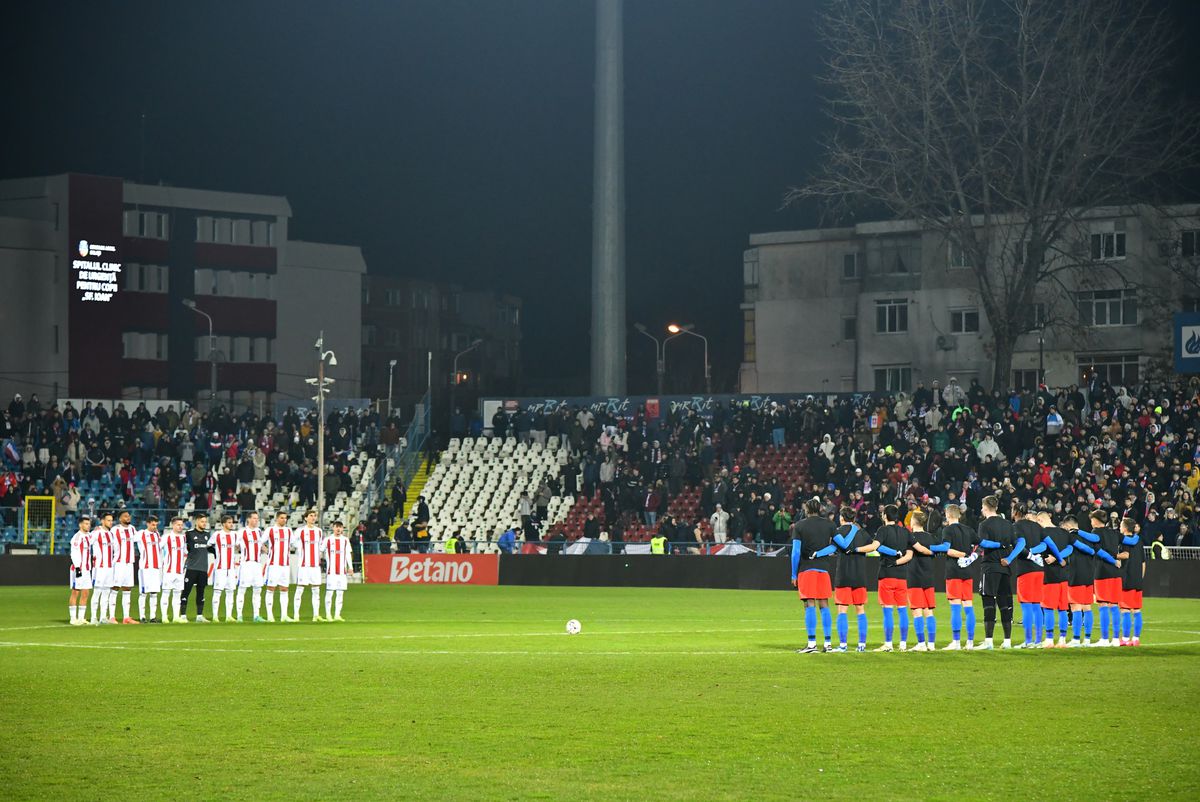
(279, 566)
(149, 547)
(251, 546)
(104, 598)
(339, 564)
(174, 558)
(81, 571)
(308, 542)
(123, 558)
(224, 575)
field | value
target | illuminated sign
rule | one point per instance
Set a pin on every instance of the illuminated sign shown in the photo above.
(97, 271)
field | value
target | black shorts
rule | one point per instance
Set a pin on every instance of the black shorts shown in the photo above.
(995, 584)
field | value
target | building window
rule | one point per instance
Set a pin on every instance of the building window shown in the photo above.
(896, 265)
(891, 316)
(1108, 308)
(1189, 244)
(1190, 304)
(1025, 379)
(1108, 245)
(750, 268)
(749, 342)
(271, 234)
(849, 328)
(851, 267)
(958, 257)
(964, 321)
(393, 337)
(1033, 317)
(893, 378)
(1116, 369)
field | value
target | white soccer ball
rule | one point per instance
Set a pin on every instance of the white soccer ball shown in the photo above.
(574, 627)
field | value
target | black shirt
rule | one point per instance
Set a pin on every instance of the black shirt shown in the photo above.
(895, 537)
(1057, 572)
(1032, 532)
(961, 538)
(1001, 531)
(852, 566)
(1131, 566)
(920, 569)
(814, 534)
(197, 554)
(1081, 567)
(1110, 541)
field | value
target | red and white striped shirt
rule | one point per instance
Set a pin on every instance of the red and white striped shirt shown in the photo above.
(81, 550)
(279, 538)
(149, 545)
(225, 543)
(125, 537)
(174, 552)
(309, 539)
(336, 550)
(103, 547)
(250, 542)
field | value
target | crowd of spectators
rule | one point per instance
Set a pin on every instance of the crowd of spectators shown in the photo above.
(156, 457)
(1132, 450)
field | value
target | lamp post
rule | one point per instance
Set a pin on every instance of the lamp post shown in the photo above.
(212, 352)
(660, 363)
(454, 384)
(678, 331)
(1041, 356)
(323, 356)
(391, 370)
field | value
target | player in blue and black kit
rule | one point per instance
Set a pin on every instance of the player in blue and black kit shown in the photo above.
(812, 557)
(850, 584)
(998, 548)
(1133, 567)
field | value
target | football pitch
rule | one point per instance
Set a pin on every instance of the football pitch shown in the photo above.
(478, 693)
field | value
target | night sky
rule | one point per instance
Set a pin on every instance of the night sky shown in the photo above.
(453, 140)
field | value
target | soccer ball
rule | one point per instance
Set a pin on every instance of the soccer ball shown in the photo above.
(574, 627)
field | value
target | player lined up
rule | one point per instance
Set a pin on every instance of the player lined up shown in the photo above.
(173, 565)
(1060, 571)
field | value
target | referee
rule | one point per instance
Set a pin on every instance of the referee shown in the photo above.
(196, 568)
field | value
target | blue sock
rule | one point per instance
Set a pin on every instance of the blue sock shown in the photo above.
(1137, 623)
(1063, 618)
(843, 628)
(827, 623)
(862, 628)
(1027, 620)
(919, 626)
(1048, 622)
(1089, 620)
(1126, 624)
(903, 613)
(1077, 624)
(931, 629)
(956, 620)
(889, 626)
(810, 623)
(1104, 622)
(1039, 620)
(969, 612)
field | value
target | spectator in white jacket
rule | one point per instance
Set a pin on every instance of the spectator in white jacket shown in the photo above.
(988, 447)
(720, 524)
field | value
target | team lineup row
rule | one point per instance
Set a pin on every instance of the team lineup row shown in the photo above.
(172, 565)
(1060, 572)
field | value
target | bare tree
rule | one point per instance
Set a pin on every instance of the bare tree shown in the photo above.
(1001, 124)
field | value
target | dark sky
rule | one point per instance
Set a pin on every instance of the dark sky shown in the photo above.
(451, 139)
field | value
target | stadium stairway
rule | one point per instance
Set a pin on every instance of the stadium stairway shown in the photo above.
(415, 489)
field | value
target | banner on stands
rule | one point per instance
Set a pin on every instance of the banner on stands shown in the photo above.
(433, 569)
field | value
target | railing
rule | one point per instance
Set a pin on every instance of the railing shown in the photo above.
(415, 439)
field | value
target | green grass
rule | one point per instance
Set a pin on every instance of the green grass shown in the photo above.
(476, 693)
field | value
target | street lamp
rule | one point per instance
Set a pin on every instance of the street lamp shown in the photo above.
(660, 362)
(323, 356)
(1041, 356)
(678, 331)
(454, 383)
(391, 369)
(212, 352)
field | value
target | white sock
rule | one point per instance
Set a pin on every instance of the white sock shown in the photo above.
(270, 600)
(296, 602)
(142, 606)
(229, 605)
(110, 604)
(255, 601)
(177, 602)
(96, 605)
(74, 612)
(153, 605)
(283, 602)
(328, 604)
(127, 602)
(241, 601)
(337, 607)
(164, 606)
(316, 600)
(216, 608)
